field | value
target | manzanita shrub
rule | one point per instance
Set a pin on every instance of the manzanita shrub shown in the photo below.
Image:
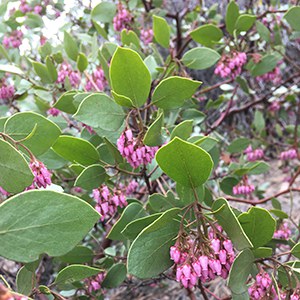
(118, 167)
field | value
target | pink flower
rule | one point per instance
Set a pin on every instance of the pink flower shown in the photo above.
(231, 65)
(53, 111)
(289, 154)
(108, 203)
(66, 71)
(122, 19)
(283, 232)
(146, 36)
(38, 9)
(99, 81)
(3, 192)
(134, 151)
(7, 91)
(42, 177)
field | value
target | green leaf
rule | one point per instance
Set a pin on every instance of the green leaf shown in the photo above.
(292, 16)
(104, 12)
(240, 271)
(207, 35)
(227, 219)
(259, 225)
(232, 14)
(262, 252)
(25, 281)
(41, 221)
(186, 194)
(130, 76)
(33, 20)
(159, 202)
(161, 31)
(42, 71)
(244, 22)
(263, 31)
(91, 177)
(78, 255)
(183, 130)
(259, 121)
(74, 273)
(11, 69)
(132, 230)
(65, 102)
(149, 255)
(82, 62)
(15, 174)
(296, 250)
(200, 58)
(279, 213)
(43, 132)
(173, 91)
(227, 184)
(184, 162)
(51, 69)
(76, 150)
(98, 110)
(266, 64)
(153, 136)
(238, 145)
(115, 276)
(132, 212)
(70, 45)
(129, 37)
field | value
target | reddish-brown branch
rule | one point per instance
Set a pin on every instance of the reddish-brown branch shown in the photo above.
(264, 200)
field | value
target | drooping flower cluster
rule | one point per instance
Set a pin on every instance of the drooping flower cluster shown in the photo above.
(146, 36)
(42, 176)
(289, 154)
(14, 40)
(194, 260)
(253, 155)
(243, 189)
(54, 112)
(283, 232)
(135, 152)
(94, 283)
(98, 80)
(231, 64)
(107, 202)
(25, 8)
(122, 19)
(262, 288)
(131, 187)
(66, 70)
(7, 91)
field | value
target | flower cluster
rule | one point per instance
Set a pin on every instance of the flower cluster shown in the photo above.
(131, 188)
(289, 154)
(273, 76)
(231, 65)
(7, 91)
(66, 70)
(25, 8)
(243, 189)
(146, 36)
(262, 288)
(42, 176)
(122, 19)
(253, 155)
(283, 232)
(194, 261)
(135, 152)
(107, 203)
(94, 284)
(14, 40)
(98, 80)
(54, 112)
